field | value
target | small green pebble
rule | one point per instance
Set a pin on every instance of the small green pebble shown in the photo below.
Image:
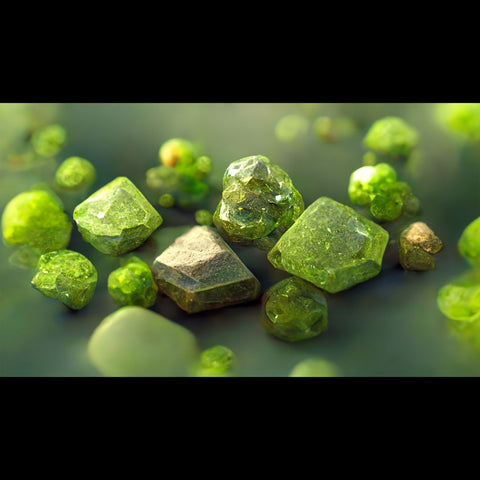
(133, 284)
(166, 200)
(469, 243)
(462, 119)
(386, 207)
(204, 164)
(48, 140)
(66, 276)
(391, 135)
(177, 150)
(216, 361)
(75, 173)
(291, 127)
(203, 217)
(334, 129)
(365, 182)
(315, 367)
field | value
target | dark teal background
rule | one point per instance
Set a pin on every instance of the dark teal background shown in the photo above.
(388, 326)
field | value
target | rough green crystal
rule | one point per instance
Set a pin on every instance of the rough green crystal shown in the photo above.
(416, 245)
(365, 182)
(469, 243)
(386, 207)
(133, 284)
(294, 310)
(117, 218)
(48, 140)
(217, 361)
(391, 135)
(74, 174)
(136, 342)
(331, 246)
(259, 202)
(199, 271)
(67, 276)
(36, 218)
(460, 299)
(315, 367)
(203, 217)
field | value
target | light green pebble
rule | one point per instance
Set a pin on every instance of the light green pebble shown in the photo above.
(136, 342)
(462, 119)
(469, 243)
(386, 207)
(75, 173)
(315, 367)
(166, 200)
(217, 361)
(291, 127)
(48, 140)
(203, 217)
(365, 182)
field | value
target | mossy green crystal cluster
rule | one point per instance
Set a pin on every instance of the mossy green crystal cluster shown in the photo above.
(259, 202)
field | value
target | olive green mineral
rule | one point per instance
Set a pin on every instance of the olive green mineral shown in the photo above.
(75, 174)
(216, 361)
(136, 342)
(117, 218)
(331, 246)
(66, 276)
(199, 271)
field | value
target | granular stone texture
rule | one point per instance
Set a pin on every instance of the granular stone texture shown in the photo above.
(117, 218)
(199, 271)
(75, 174)
(331, 246)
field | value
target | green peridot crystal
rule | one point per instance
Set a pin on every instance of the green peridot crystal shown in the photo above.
(67, 276)
(117, 218)
(315, 367)
(331, 246)
(36, 218)
(203, 217)
(365, 182)
(136, 342)
(133, 284)
(294, 310)
(74, 174)
(469, 243)
(460, 299)
(259, 202)
(391, 135)
(217, 361)
(48, 140)
(199, 271)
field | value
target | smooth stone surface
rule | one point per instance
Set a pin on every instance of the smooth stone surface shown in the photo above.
(136, 342)
(66, 276)
(117, 218)
(331, 246)
(294, 310)
(469, 243)
(199, 271)
(315, 367)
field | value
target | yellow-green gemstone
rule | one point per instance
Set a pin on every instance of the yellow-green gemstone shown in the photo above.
(216, 361)
(49, 140)
(75, 173)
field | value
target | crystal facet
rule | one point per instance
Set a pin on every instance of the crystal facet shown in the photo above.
(294, 310)
(67, 276)
(331, 246)
(259, 202)
(117, 218)
(199, 271)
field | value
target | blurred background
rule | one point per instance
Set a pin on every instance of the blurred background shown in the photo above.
(388, 326)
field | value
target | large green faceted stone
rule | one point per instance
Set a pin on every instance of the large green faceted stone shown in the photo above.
(469, 243)
(331, 246)
(136, 342)
(294, 310)
(117, 218)
(199, 271)
(133, 284)
(36, 218)
(66, 276)
(259, 202)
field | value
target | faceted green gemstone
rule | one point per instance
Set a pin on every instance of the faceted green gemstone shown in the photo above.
(315, 367)
(199, 271)
(294, 310)
(365, 182)
(36, 218)
(216, 361)
(391, 135)
(331, 246)
(469, 243)
(460, 299)
(259, 202)
(48, 140)
(117, 218)
(136, 342)
(74, 174)
(67, 276)
(133, 284)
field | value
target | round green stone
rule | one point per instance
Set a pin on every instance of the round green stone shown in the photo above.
(365, 182)
(215, 362)
(166, 200)
(136, 342)
(49, 140)
(203, 217)
(75, 173)
(462, 119)
(177, 150)
(294, 310)
(315, 367)
(291, 127)
(391, 135)
(133, 284)
(36, 218)
(386, 207)
(66, 276)
(469, 243)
